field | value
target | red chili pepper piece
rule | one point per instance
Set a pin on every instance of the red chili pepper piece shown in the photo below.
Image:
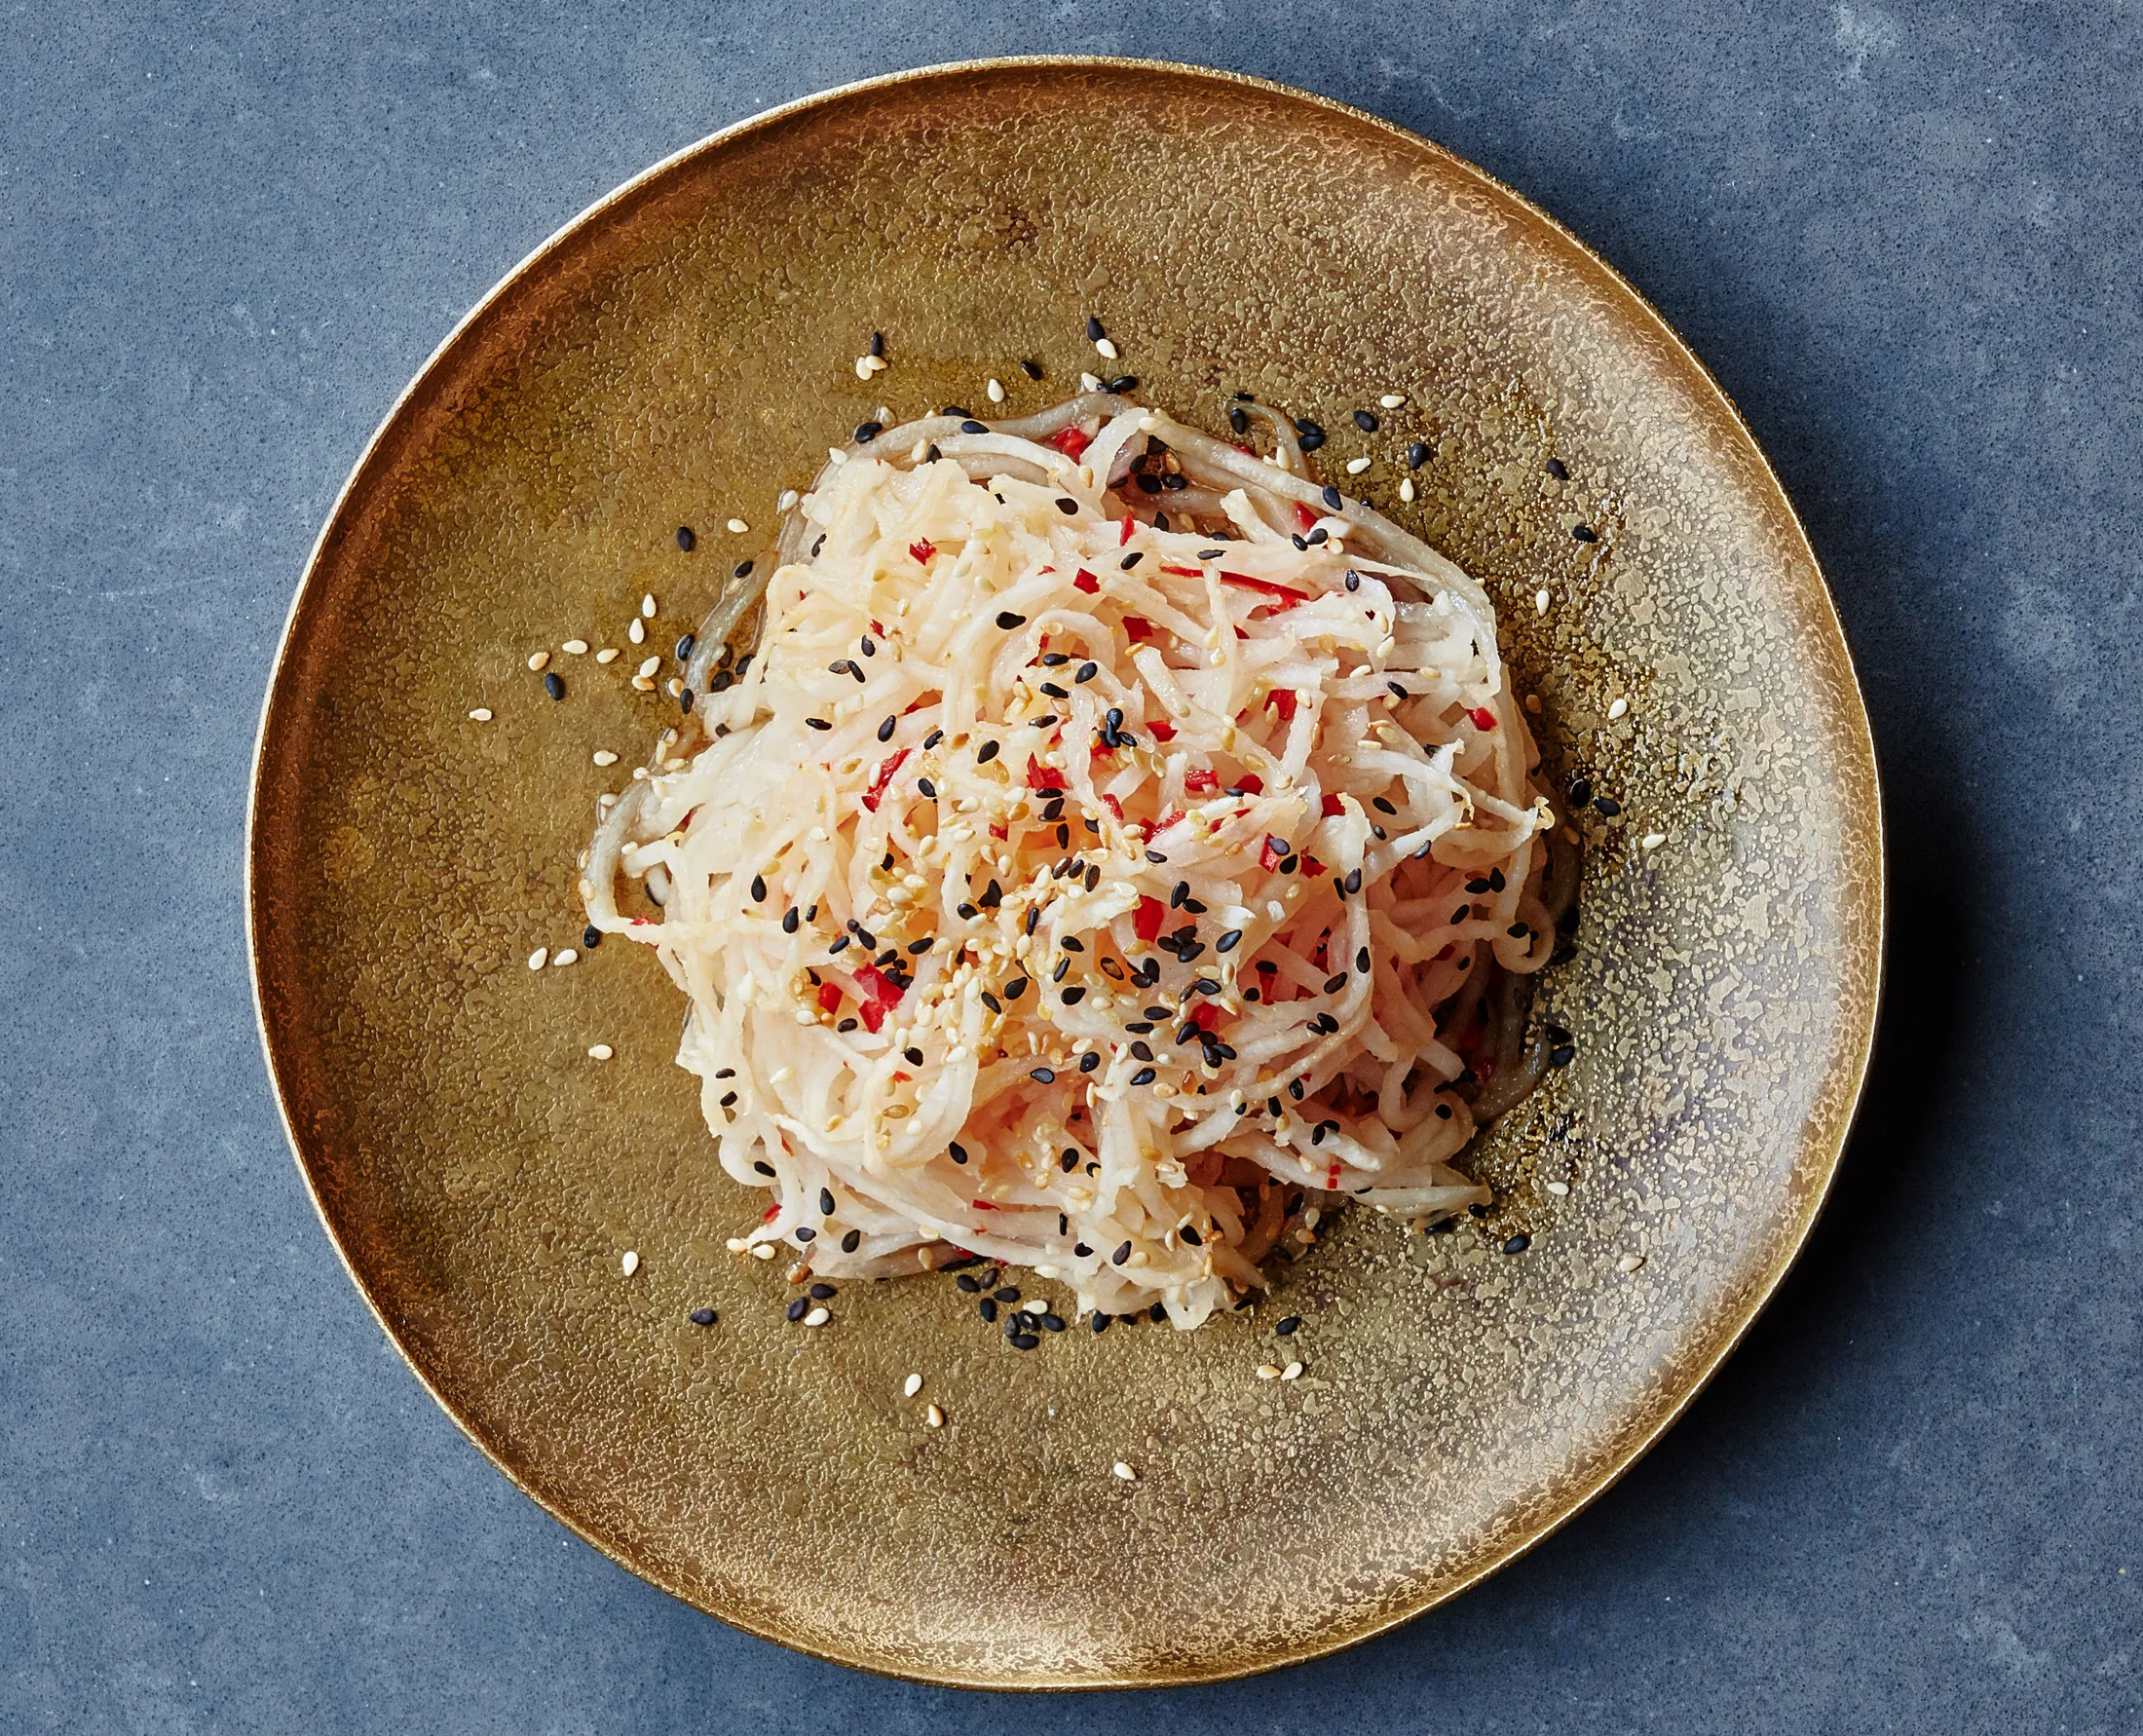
(983, 1205)
(876, 792)
(1311, 866)
(1282, 593)
(829, 997)
(1333, 807)
(880, 996)
(1483, 717)
(922, 551)
(1331, 1177)
(998, 831)
(1251, 785)
(1164, 729)
(1304, 517)
(1071, 441)
(1273, 853)
(770, 1213)
(1040, 777)
(1086, 581)
(1146, 920)
(1201, 783)
(1281, 699)
(1185, 572)
(1130, 524)
(1115, 807)
(1205, 1015)
(1137, 629)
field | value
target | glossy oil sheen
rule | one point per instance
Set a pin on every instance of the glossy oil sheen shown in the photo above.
(683, 352)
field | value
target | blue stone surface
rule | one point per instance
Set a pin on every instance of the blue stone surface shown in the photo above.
(1906, 240)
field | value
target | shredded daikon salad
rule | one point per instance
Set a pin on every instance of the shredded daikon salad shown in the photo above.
(1116, 850)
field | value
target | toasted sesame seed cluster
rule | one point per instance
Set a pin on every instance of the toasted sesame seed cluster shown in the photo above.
(1117, 847)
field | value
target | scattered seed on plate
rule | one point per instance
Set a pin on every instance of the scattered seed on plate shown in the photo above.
(1619, 708)
(703, 1316)
(538, 660)
(651, 665)
(935, 1417)
(1293, 1371)
(576, 647)
(1391, 400)
(1652, 839)
(1532, 703)
(1106, 349)
(645, 684)
(1268, 1371)
(1355, 466)
(1123, 1472)
(1406, 488)
(647, 607)
(789, 497)
(910, 1386)
(636, 632)
(482, 714)
(818, 1316)
(762, 1250)
(1629, 1263)
(737, 527)
(630, 1263)
(1090, 383)
(563, 956)
(1541, 600)
(538, 959)
(602, 756)
(995, 391)
(601, 1051)
(1558, 1188)
(608, 655)
(554, 687)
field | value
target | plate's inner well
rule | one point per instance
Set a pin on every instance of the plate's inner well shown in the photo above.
(683, 356)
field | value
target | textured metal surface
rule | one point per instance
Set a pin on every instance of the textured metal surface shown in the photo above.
(681, 355)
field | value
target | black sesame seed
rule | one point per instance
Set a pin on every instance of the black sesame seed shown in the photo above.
(867, 432)
(1287, 1327)
(1517, 1244)
(1417, 455)
(818, 723)
(1584, 533)
(850, 1242)
(805, 1233)
(1101, 1323)
(1560, 471)
(986, 1308)
(1157, 1312)
(790, 920)
(823, 1293)
(1353, 881)
(1239, 421)
(554, 685)
(1094, 331)
(987, 751)
(1561, 1055)
(1125, 383)
(1024, 1341)
(1192, 1237)
(1008, 621)
(798, 1308)
(1014, 989)
(1365, 421)
(703, 1316)
(1607, 807)
(968, 1283)
(1031, 370)
(1121, 1255)
(685, 539)
(845, 1026)
(1043, 1075)
(1131, 560)
(971, 427)
(1331, 497)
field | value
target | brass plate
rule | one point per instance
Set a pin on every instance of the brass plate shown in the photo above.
(685, 349)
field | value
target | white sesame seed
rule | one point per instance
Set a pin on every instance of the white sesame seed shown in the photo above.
(538, 660)
(1406, 488)
(1558, 1188)
(1617, 710)
(1089, 383)
(646, 684)
(575, 646)
(602, 756)
(630, 1263)
(1293, 1371)
(608, 655)
(482, 714)
(1391, 400)
(818, 1316)
(910, 1386)
(600, 1052)
(563, 956)
(1355, 466)
(1541, 600)
(863, 367)
(1268, 1371)
(995, 391)
(835, 455)
(651, 665)
(1629, 1263)
(1532, 703)
(538, 959)
(673, 686)
(636, 632)
(737, 527)
(762, 1250)
(647, 607)
(1124, 1472)
(789, 497)
(935, 1417)
(1652, 839)
(1105, 349)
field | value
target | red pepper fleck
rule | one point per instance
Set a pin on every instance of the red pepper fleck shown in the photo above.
(922, 551)
(1164, 729)
(1130, 524)
(1185, 572)
(1205, 1015)
(1282, 593)
(983, 1205)
(873, 796)
(643, 921)
(1331, 1177)
(1483, 717)
(1272, 853)
(1137, 629)
(1071, 441)
(927, 698)
(770, 1213)
(1282, 701)
(1333, 807)
(1040, 777)
(1311, 866)
(1000, 832)
(1146, 920)
(1201, 783)
(901, 1078)
(1115, 807)
(1304, 517)
(829, 997)
(880, 997)
(1086, 581)
(879, 630)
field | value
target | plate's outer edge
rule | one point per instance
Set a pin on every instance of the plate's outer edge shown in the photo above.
(283, 725)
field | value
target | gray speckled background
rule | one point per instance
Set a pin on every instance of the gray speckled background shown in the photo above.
(1908, 244)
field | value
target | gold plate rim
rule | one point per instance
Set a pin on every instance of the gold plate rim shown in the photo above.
(1865, 942)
